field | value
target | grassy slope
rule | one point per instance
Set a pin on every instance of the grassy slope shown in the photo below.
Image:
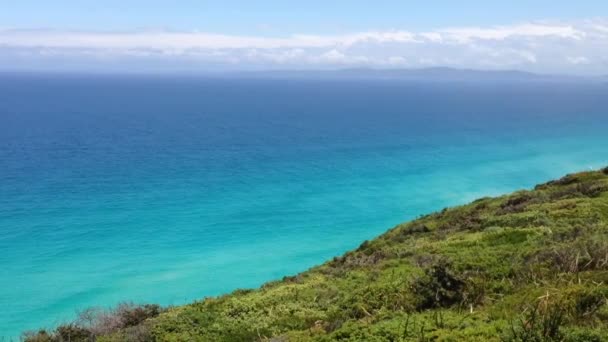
(530, 266)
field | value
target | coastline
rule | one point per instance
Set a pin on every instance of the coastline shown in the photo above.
(476, 246)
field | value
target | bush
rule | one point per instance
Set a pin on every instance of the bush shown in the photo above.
(95, 322)
(125, 315)
(138, 333)
(541, 323)
(438, 287)
(413, 229)
(515, 204)
(132, 315)
(588, 303)
(579, 335)
(566, 180)
(73, 333)
(64, 333)
(39, 336)
(574, 257)
(587, 189)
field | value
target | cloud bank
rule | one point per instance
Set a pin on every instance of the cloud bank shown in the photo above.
(555, 47)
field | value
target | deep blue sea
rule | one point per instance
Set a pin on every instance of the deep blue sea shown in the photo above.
(170, 188)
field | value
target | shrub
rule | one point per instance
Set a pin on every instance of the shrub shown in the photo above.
(591, 189)
(39, 336)
(542, 322)
(580, 335)
(132, 315)
(125, 315)
(574, 257)
(403, 233)
(417, 228)
(465, 222)
(95, 322)
(438, 287)
(64, 333)
(515, 204)
(138, 333)
(587, 304)
(73, 333)
(566, 180)
(587, 189)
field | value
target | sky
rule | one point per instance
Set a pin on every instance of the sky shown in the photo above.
(568, 37)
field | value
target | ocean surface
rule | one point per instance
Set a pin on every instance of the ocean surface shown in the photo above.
(168, 189)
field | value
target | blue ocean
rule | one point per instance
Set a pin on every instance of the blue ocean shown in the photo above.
(167, 189)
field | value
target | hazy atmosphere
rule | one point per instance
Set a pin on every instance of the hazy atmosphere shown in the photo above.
(208, 36)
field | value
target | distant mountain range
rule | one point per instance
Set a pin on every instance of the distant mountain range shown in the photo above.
(426, 74)
(435, 74)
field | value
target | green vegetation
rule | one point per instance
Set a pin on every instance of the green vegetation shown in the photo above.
(530, 266)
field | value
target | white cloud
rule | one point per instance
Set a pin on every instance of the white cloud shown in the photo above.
(468, 34)
(601, 28)
(333, 56)
(540, 46)
(396, 61)
(578, 60)
(435, 37)
(183, 40)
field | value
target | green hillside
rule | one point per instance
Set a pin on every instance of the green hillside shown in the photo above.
(530, 266)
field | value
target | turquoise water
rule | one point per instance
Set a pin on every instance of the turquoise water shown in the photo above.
(160, 189)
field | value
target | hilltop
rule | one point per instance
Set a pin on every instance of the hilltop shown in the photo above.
(529, 266)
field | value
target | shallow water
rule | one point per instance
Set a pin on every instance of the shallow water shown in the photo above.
(169, 189)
